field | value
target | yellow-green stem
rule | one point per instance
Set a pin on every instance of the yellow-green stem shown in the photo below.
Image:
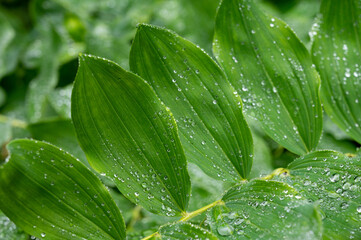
(276, 172)
(14, 122)
(187, 216)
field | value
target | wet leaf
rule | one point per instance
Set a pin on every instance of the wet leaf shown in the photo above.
(51, 195)
(185, 231)
(265, 210)
(272, 71)
(130, 136)
(60, 100)
(262, 163)
(41, 86)
(212, 128)
(61, 133)
(336, 53)
(333, 180)
(11, 43)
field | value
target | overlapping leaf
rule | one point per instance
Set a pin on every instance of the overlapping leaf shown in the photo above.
(51, 195)
(333, 180)
(272, 71)
(130, 136)
(61, 133)
(265, 210)
(209, 115)
(336, 52)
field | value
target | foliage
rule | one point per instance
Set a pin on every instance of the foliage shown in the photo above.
(179, 144)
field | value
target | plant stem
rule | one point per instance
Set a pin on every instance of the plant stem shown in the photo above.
(135, 217)
(276, 172)
(14, 122)
(150, 236)
(187, 216)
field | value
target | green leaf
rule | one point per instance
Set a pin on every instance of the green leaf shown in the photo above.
(5, 130)
(334, 181)
(212, 128)
(336, 53)
(59, 132)
(11, 43)
(130, 136)
(265, 210)
(2, 96)
(185, 231)
(262, 162)
(9, 231)
(46, 80)
(60, 100)
(51, 195)
(272, 71)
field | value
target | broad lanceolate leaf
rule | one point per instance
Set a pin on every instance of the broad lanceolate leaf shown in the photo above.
(272, 71)
(336, 52)
(208, 112)
(51, 195)
(334, 181)
(129, 135)
(183, 230)
(265, 210)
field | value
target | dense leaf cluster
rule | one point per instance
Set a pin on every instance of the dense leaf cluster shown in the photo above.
(183, 136)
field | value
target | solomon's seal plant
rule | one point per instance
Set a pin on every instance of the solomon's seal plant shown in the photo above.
(178, 108)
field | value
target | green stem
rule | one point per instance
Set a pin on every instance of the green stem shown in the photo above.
(135, 217)
(276, 172)
(187, 216)
(14, 122)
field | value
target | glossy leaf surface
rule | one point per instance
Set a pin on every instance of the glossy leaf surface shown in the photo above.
(184, 231)
(272, 71)
(51, 195)
(336, 52)
(212, 128)
(130, 136)
(265, 210)
(334, 181)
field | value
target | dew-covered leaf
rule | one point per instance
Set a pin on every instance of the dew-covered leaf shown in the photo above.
(130, 136)
(336, 52)
(265, 210)
(41, 86)
(185, 231)
(11, 43)
(51, 195)
(60, 100)
(272, 71)
(59, 132)
(212, 128)
(333, 180)
(262, 162)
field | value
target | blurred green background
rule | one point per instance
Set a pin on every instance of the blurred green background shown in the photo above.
(39, 44)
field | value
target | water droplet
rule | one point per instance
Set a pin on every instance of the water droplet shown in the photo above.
(359, 209)
(42, 234)
(225, 230)
(335, 177)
